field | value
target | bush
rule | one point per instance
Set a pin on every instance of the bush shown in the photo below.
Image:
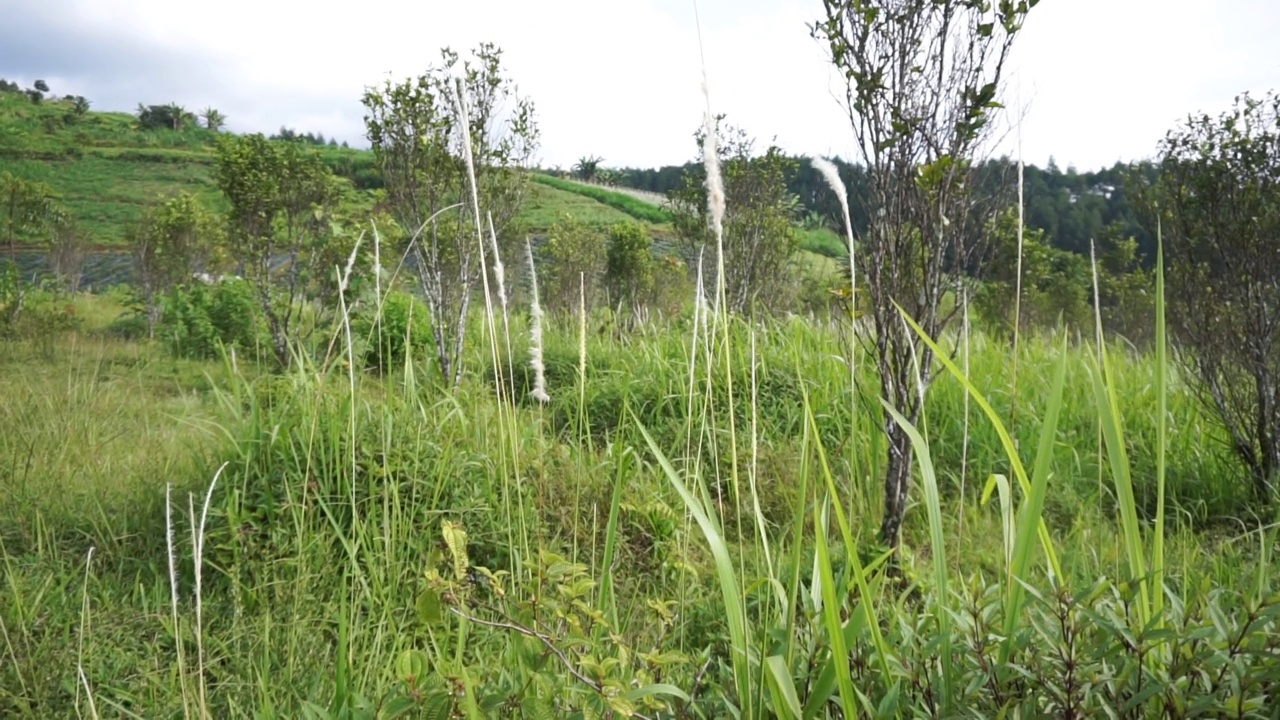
(200, 321)
(387, 337)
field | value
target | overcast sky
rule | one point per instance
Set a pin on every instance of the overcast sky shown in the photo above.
(1101, 80)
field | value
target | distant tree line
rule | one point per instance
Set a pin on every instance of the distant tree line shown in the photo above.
(1070, 207)
(318, 139)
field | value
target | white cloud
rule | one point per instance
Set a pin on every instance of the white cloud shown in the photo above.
(1104, 80)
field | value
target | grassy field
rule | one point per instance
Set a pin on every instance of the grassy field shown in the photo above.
(687, 529)
(648, 539)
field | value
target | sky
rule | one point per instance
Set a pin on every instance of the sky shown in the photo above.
(1098, 81)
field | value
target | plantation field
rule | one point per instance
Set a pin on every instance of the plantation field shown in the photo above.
(656, 519)
(107, 172)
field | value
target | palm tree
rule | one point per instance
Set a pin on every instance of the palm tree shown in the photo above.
(213, 120)
(587, 168)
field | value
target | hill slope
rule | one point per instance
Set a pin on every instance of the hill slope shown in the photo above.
(107, 170)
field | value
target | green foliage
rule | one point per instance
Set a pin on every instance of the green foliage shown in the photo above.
(28, 208)
(1218, 202)
(629, 265)
(326, 581)
(759, 235)
(824, 242)
(172, 240)
(554, 631)
(456, 192)
(203, 322)
(214, 120)
(168, 117)
(281, 198)
(588, 168)
(573, 262)
(637, 209)
(35, 313)
(393, 332)
(1056, 284)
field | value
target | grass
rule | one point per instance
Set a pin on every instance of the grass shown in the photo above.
(686, 529)
(333, 500)
(547, 205)
(824, 242)
(631, 206)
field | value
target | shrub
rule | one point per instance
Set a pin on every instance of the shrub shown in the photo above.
(200, 321)
(389, 335)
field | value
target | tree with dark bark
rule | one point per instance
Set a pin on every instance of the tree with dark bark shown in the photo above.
(1218, 202)
(922, 80)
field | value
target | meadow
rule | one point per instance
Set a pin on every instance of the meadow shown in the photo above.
(688, 526)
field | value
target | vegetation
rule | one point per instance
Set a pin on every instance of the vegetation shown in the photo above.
(635, 208)
(670, 514)
(172, 241)
(443, 146)
(1219, 199)
(758, 238)
(920, 113)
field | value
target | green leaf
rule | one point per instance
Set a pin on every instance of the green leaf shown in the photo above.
(783, 687)
(437, 706)
(657, 689)
(397, 706)
(429, 608)
(412, 665)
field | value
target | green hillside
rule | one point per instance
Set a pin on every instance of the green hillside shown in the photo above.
(107, 170)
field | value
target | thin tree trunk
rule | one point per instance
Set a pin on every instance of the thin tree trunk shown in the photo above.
(897, 483)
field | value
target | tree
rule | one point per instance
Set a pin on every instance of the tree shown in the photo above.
(28, 207)
(629, 267)
(759, 236)
(214, 121)
(922, 78)
(171, 241)
(42, 86)
(66, 250)
(1056, 283)
(416, 128)
(281, 198)
(164, 117)
(587, 168)
(79, 105)
(1218, 200)
(574, 263)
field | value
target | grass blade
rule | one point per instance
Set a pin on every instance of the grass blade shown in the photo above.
(730, 590)
(1019, 471)
(933, 506)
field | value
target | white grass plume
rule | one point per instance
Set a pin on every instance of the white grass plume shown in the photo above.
(715, 194)
(539, 391)
(831, 175)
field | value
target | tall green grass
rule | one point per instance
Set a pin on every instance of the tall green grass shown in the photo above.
(329, 547)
